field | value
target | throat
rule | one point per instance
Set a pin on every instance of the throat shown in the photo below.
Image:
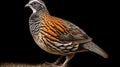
(40, 12)
(34, 10)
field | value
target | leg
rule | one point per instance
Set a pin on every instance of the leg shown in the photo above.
(58, 60)
(68, 58)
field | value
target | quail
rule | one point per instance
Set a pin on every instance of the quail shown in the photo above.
(58, 36)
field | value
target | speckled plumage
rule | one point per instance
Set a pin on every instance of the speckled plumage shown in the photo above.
(56, 35)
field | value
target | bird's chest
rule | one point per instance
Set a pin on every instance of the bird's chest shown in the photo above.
(34, 24)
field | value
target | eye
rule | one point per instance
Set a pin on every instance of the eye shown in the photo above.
(37, 6)
(34, 3)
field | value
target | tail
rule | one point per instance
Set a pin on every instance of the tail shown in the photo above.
(96, 49)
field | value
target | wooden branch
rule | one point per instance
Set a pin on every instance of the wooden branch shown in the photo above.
(23, 65)
(27, 65)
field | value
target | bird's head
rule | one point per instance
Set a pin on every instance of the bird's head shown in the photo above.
(36, 5)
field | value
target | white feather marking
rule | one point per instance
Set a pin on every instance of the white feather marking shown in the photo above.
(76, 45)
(33, 1)
(58, 44)
(66, 50)
(67, 44)
(74, 49)
(34, 11)
(62, 48)
(69, 47)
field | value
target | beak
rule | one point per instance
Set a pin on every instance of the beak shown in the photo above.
(27, 5)
(96, 49)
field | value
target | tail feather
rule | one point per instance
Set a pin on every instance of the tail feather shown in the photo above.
(96, 49)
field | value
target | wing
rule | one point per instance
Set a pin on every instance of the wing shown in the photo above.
(70, 32)
(62, 35)
(64, 31)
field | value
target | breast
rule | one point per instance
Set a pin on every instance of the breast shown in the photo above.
(39, 41)
(34, 24)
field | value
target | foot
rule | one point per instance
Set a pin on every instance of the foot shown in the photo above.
(53, 64)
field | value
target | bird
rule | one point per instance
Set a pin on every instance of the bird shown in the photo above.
(59, 36)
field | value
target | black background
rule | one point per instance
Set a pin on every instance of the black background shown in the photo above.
(97, 18)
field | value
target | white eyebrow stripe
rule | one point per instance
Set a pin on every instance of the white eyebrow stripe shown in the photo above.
(33, 1)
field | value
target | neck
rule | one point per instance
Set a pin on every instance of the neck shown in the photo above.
(41, 12)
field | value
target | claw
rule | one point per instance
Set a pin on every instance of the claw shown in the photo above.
(52, 64)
